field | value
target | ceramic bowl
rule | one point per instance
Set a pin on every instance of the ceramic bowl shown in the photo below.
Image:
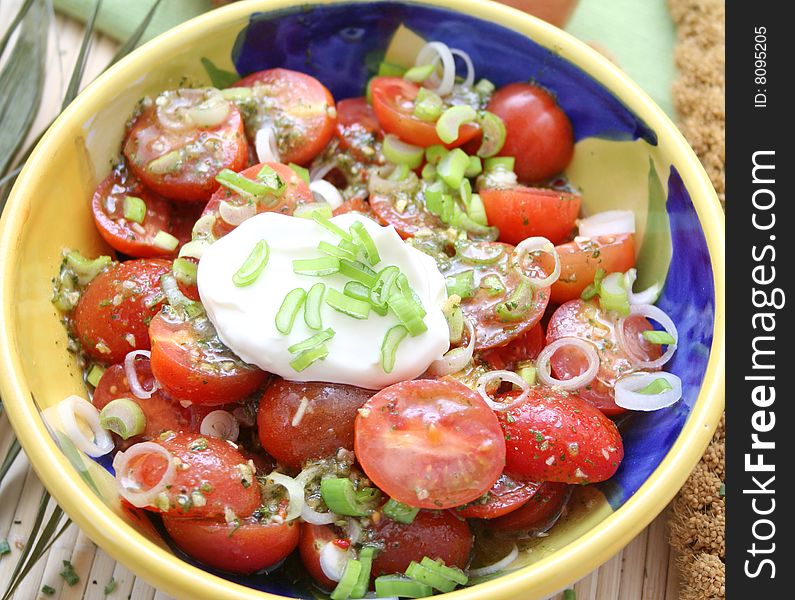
(628, 155)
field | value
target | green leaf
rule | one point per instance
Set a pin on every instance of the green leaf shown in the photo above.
(73, 456)
(219, 78)
(82, 58)
(11, 455)
(23, 10)
(656, 250)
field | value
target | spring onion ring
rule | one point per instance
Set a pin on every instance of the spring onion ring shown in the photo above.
(294, 490)
(647, 296)
(129, 488)
(433, 53)
(628, 396)
(265, 142)
(72, 407)
(609, 222)
(469, 79)
(544, 368)
(529, 246)
(378, 184)
(132, 375)
(333, 560)
(220, 424)
(457, 358)
(497, 566)
(648, 311)
(323, 191)
(236, 214)
(509, 376)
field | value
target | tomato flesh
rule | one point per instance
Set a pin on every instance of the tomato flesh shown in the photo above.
(526, 346)
(505, 496)
(429, 443)
(539, 513)
(313, 539)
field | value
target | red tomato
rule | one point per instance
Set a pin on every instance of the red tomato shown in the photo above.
(579, 262)
(355, 204)
(129, 237)
(504, 497)
(212, 468)
(492, 329)
(538, 133)
(407, 222)
(435, 534)
(162, 412)
(301, 108)
(539, 513)
(429, 443)
(358, 128)
(587, 321)
(296, 192)
(199, 153)
(393, 103)
(326, 423)
(112, 315)
(251, 547)
(521, 212)
(313, 539)
(555, 436)
(191, 367)
(526, 346)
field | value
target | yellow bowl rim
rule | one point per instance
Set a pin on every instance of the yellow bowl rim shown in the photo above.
(176, 577)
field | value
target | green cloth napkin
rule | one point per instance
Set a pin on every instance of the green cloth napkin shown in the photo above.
(638, 34)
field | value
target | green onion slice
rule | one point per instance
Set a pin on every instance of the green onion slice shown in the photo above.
(253, 265)
(397, 511)
(419, 74)
(382, 288)
(332, 227)
(243, 185)
(434, 154)
(185, 270)
(389, 346)
(451, 120)
(307, 211)
(350, 578)
(452, 573)
(386, 69)
(658, 386)
(363, 239)
(428, 105)
(314, 301)
(307, 357)
(477, 210)
(316, 267)
(658, 337)
(484, 87)
(338, 251)
(366, 555)
(461, 284)
(479, 254)
(528, 373)
(400, 153)
(291, 304)
(123, 417)
(474, 168)
(165, 241)
(134, 209)
(429, 173)
(340, 496)
(492, 284)
(358, 272)
(613, 295)
(455, 324)
(452, 167)
(359, 291)
(517, 305)
(493, 134)
(387, 586)
(357, 309)
(499, 163)
(592, 289)
(95, 374)
(432, 578)
(399, 173)
(272, 179)
(301, 172)
(312, 342)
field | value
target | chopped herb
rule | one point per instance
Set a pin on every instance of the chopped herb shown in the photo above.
(198, 445)
(69, 575)
(48, 590)
(110, 586)
(722, 491)
(5, 548)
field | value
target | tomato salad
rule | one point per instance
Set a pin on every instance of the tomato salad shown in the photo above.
(371, 331)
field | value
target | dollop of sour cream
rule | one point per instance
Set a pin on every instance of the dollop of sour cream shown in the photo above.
(244, 317)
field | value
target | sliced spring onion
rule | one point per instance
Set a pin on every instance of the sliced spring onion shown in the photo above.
(134, 209)
(253, 266)
(308, 357)
(324, 191)
(419, 74)
(474, 168)
(429, 173)
(237, 93)
(494, 133)
(357, 309)
(340, 496)
(592, 289)
(485, 382)
(359, 291)
(302, 173)
(312, 342)
(432, 578)
(387, 586)
(295, 490)
(497, 566)
(399, 152)
(307, 211)
(272, 179)
(392, 339)
(408, 312)
(316, 267)
(484, 87)
(609, 222)
(451, 120)
(461, 284)
(452, 573)
(220, 424)
(348, 581)
(131, 489)
(366, 555)
(528, 248)
(362, 238)
(333, 560)
(399, 173)
(266, 145)
(644, 391)
(654, 313)
(452, 167)
(397, 511)
(291, 304)
(184, 271)
(456, 359)
(86, 269)
(662, 338)
(166, 163)
(235, 214)
(492, 284)
(358, 272)
(386, 69)
(131, 374)
(475, 254)
(613, 295)
(314, 301)
(165, 241)
(333, 228)
(433, 53)
(517, 305)
(404, 287)
(465, 191)
(382, 288)
(243, 185)
(455, 324)
(434, 154)
(544, 368)
(528, 373)
(95, 374)
(176, 299)
(647, 296)
(123, 417)
(427, 105)
(499, 163)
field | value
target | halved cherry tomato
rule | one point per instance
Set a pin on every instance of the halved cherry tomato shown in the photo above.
(393, 103)
(188, 156)
(358, 128)
(504, 497)
(245, 548)
(407, 222)
(538, 133)
(429, 443)
(355, 204)
(295, 192)
(435, 534)
(579, 261)
(162, 412)
(129, 237)
(214, 478)
(112, 315)
(300, 108)
(325, 423)
(485, 307)
(526, 346)
(539, 513)
(585, 320)
(313, 539)
(555, 436)
(192, 364)
(521, 212)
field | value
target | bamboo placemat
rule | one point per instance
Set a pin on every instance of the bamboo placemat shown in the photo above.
(639, 571)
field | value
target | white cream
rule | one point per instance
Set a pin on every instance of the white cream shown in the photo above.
(245, 316)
